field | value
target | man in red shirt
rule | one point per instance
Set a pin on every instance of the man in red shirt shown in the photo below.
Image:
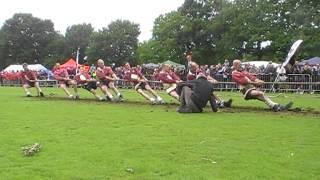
(169, 80)
(106, 78)
(134, 75)
(248, 82)
(88, 83)
(194, 71)
(29, 79)
(62, 76)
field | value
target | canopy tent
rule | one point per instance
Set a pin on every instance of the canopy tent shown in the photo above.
(12, 72)
(70, 64)
(33, 67)
(313, 61)
(173, 64)
(260, 63)
(151, 66)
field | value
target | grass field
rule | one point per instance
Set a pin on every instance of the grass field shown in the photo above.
(86, 139)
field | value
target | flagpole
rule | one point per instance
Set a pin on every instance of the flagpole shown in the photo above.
(293, 50)
(77, 59)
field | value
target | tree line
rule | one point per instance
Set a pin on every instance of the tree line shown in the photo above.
(214, 30)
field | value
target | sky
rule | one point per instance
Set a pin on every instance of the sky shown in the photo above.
(99, 13)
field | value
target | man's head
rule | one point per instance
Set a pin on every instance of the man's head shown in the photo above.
(166, 67)
(25, 66)
(57, 66)
(127, 65)
(194, 66)
(201, 76)
(236, 64)
(100, 63)
(189, 56)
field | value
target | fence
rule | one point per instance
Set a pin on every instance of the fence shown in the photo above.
(287, 83)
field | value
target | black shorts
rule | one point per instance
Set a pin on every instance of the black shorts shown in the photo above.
(105, 83)
(140, 85)
(90, 85)
(31, 84)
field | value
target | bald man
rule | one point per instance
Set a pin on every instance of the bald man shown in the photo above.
(106, 78)
(134, 75)
(194, 71)
(248, 82)
(62, 76)
(169, 79)
(29, 79)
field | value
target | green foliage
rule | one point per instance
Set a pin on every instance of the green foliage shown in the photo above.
(56, 51)
(25, 39)
(222, 29)
(148, 51)
(2, 50)
(118, 43)
(78, 36)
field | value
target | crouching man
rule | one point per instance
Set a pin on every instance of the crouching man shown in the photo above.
(169, 80)
(195, 94)
(248, 82)
(29, 79)
(88, 83)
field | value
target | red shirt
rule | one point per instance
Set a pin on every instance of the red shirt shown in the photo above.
(103, 72)
(60, 74)
(82, 78)
(28, 75)
(168, 77)
(132, 74)
(241, 77)
(193, 75)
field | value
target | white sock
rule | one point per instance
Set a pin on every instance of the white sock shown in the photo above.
(269, 102)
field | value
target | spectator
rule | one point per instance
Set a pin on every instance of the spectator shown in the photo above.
(93, 68)
(270, 69)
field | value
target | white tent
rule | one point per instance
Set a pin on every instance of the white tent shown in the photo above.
(260, 63)
(34, 67)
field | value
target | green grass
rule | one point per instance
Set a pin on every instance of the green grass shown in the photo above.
(93, 140)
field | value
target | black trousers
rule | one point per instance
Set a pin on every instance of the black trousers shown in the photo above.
(186, 103)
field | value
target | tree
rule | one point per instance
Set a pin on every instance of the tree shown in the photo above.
(118, 43)
(249, 29)
(25, 39)
(149, 51)
(56, 50)
(186, 29)
(78, 36)
(244, 26)
(169, 37)
(3, 50)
